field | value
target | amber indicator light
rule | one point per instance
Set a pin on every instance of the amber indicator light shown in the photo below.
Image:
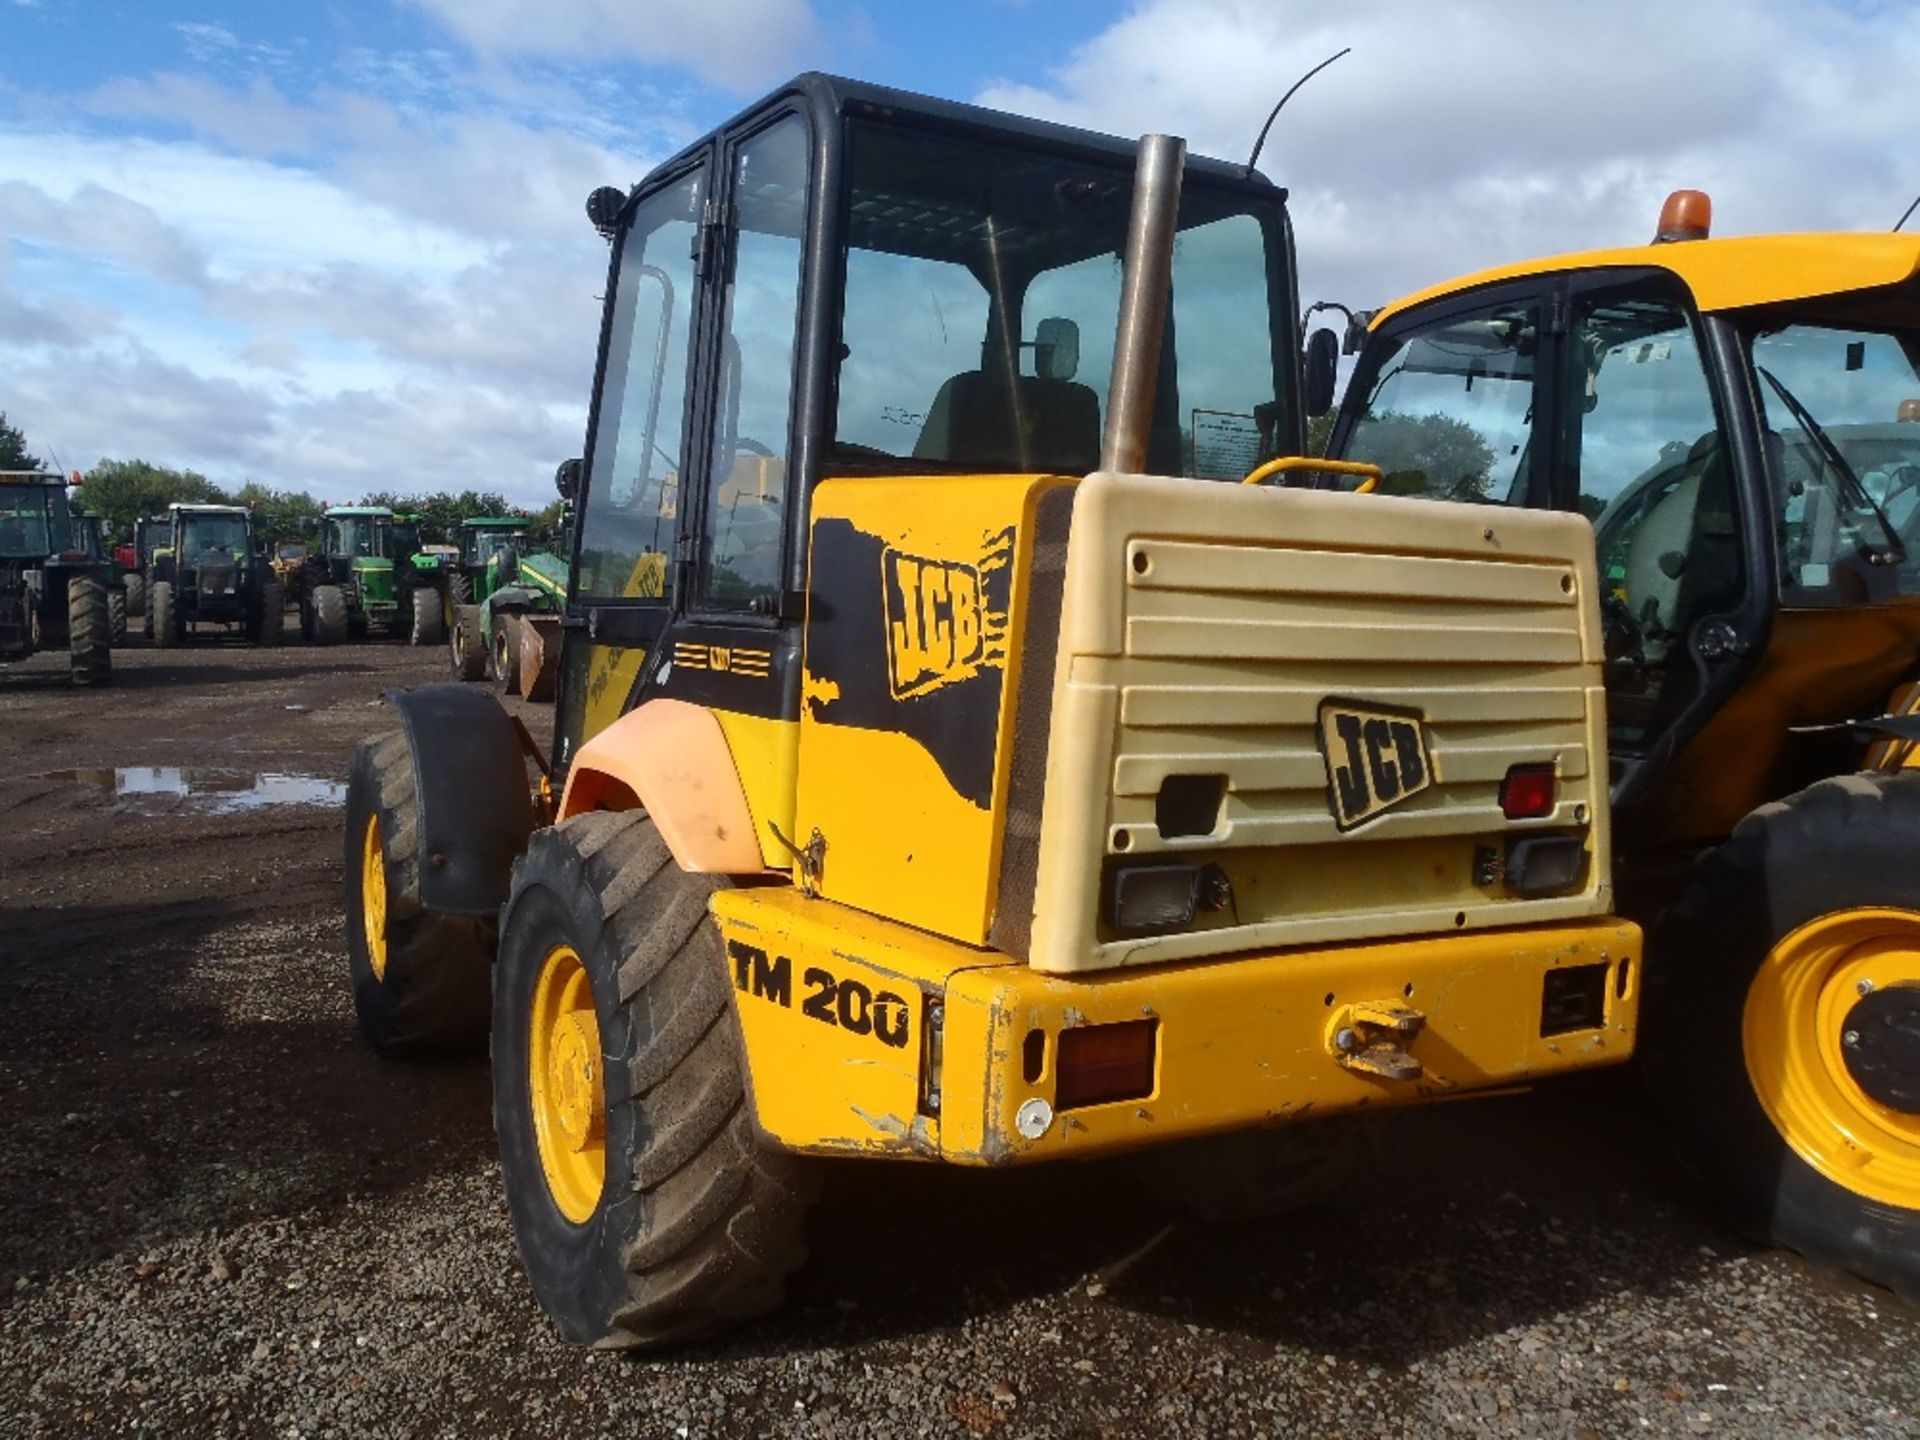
(1098, 1064)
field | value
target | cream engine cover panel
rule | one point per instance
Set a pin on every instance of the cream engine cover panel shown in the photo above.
(1240, 636)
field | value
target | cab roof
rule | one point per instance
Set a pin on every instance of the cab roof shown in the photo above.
(196, 509)
(1725, 274)
(496, 522)
(31, 477)
(378, 512)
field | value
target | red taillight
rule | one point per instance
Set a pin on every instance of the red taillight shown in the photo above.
(1098, 1064)
(1528, 792)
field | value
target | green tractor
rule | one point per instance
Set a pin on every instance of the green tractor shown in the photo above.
(52, 595)
(490, 551)
(347, 585)
(211, 572)
(90, 534)
(420, 578)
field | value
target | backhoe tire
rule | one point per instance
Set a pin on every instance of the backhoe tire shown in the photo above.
(161, 621)
(1790, 970)
(329, 615)
(428, 627)
(136, 594)
(272, 618)
(689, 1226)
(420, 979)
(466, 645)
(89, 628)
(504, 655)
(116, 616)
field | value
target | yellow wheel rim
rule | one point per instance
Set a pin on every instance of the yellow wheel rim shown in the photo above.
(1794, 1032)
(564, 1079)
(373, 896)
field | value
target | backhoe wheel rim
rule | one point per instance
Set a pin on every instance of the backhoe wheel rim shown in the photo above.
(373, 897)
(564, 1075)
(1794, 1033)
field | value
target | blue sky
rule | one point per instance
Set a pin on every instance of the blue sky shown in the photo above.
(339, 245)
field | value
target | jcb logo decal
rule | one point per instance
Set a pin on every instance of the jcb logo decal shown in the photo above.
(942, 625)
(1376, 758)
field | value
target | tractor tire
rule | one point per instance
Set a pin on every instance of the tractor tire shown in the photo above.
(420, 980)
(646, 1212)
(89, 628)
(272, 617)
(1782, 1025)
(162, 623)
(136, 593)
(329, 615)
(459, 590)
(464, 643)
(116, 616)
(428, 628)
(504, 655)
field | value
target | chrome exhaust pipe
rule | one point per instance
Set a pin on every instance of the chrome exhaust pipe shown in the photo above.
(1146, 281)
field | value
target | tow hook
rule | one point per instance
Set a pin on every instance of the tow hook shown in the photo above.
(1374, 1036)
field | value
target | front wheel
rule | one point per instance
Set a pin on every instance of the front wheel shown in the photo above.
(643, 1206)
(116, 617)
(1783, 1024)
(272, 616)
(506, 654)
(428, 628)
(329, 615)
(89, 631)
(136, 593)
(465, 645)
(162, 623)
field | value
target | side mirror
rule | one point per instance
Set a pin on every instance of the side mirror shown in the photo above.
(1056, 348)
(566, 479)
(1322, 360)
(603, 209)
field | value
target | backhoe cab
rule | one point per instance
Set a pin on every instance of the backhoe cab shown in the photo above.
(1740, 421)
(953, 759)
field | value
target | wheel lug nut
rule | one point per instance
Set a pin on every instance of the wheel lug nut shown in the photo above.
(1852, 1037)
(1865, 987)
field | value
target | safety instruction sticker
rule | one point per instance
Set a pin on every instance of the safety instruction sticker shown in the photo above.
(1224, 443)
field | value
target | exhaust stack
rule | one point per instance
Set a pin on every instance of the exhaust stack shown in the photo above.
(1147, 279)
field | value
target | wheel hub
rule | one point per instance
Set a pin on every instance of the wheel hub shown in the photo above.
(566, 1085)
(573, 1060)
(1881, 1046)
(373, 897)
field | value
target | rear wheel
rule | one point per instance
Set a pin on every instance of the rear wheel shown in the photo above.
(161, 622)
(468, 650)
(89, 630)
(136, 593)
(506, 654)
(459, 589)
(427, 626)
(1783, 1024)
(420, 979)
(644, 1208)
(329, 615)
(272, 617)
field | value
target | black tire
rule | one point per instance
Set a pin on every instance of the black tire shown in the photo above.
(1842, 844)
(116, 616)
(89, 628)
(428, 628)
(329, 615)
(162, 623)
(465, 644)
(506, 566)
(271, 620)
(459, 590)
(503, 655)
(136, 593)
(697, 1226)
(430, 997)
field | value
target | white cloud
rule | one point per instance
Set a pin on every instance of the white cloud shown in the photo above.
(734, 44)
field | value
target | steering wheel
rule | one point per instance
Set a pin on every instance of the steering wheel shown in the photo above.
(1625, 638)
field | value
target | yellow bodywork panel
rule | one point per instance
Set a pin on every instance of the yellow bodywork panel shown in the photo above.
(915, 585)
(611, 672)
(766, 755)
(1892, 754)
(1726, 274)
(835, 1008)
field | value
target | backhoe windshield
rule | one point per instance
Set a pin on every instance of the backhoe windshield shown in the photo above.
(982, 290)
(1842, 409)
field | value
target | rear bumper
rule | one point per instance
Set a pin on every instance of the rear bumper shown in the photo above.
(865, 1037)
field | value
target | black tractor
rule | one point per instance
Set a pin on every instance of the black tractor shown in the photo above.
(90, 538)
(212, 573)
(52, 595)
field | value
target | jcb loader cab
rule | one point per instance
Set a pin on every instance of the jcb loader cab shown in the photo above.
(954, 760)
(1740, 421)
(53, 595)
(210, 572)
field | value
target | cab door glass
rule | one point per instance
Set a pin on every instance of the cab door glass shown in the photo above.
(747, 479)
(1449, 413)
(1653, 474)
(632, 495)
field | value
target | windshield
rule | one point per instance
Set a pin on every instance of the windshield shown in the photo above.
(982, 288)
(1842, 410)
(23, 522)
(86, 536)
(488, 543)
(357, 535)
(224, 533)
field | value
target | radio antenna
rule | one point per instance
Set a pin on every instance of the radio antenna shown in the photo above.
(1909, 215)
(1274, 113)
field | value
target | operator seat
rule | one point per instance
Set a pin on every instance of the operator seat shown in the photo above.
(981, 418)
(1683, 557)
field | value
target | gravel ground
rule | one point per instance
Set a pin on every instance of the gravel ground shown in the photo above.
(219, 1215)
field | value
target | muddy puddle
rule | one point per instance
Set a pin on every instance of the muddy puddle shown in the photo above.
(206, 790)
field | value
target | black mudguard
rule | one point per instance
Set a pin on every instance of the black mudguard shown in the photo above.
(476, 809)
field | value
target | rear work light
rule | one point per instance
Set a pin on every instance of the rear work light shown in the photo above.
(1098, 1064)
(1528, 792)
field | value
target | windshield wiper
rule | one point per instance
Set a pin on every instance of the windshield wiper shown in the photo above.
(1893, 552)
